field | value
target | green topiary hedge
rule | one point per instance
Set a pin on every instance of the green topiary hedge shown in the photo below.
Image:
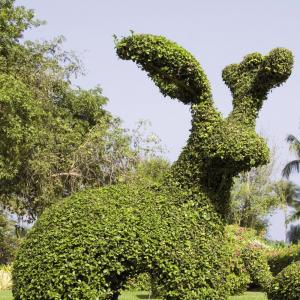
(89, 245)
(286, 285)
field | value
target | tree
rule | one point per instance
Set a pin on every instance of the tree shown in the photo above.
(253, 197)
(114, 154)
(287, 192)
(290, 167)
(38, 138)
(54, 139)
(293, 165)
(8, 239)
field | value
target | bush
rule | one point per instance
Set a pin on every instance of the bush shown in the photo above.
(237, 277)
(256, 264)
(279, 258)
(246, 259)
(286, 285)
(90, 244)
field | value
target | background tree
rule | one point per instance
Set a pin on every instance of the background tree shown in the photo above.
(293, 165)
(290, 167)
(287, 192)
(55, 139)
(8, 239)
(253, 197)
(293, 234)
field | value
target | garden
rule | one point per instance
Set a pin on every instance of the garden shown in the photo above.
(92, 210)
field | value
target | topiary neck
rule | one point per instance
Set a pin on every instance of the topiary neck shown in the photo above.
(245, 111)
(193, 169)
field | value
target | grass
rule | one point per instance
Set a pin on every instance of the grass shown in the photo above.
(6, 295)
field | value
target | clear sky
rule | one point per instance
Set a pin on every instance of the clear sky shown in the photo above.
(216, 32)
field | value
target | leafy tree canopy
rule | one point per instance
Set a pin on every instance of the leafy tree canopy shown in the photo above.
(54, 138)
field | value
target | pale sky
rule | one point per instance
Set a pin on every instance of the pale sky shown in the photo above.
(216, 32)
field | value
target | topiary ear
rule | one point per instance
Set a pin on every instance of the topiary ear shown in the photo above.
(173, 69)
(276, 68)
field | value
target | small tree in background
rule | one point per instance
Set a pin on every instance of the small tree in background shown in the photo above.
(293, 165)
(54, 139)
(253, 197)
(8, 239)
(287, 192)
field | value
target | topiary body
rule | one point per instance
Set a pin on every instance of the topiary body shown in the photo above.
(87, 246)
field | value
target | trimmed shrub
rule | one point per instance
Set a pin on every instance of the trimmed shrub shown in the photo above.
(90, 244)
(256, 264)
(286, 285)
(279, 258)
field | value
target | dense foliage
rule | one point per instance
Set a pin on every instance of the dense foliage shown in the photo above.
(55, 139)
(136, 230)
(8, 240)
(43, 119)
(281, 257)
(246, 260)
(174, 230)
(286, 284)
(255, 261)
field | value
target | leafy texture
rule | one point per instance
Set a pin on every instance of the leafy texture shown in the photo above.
(280, 258)
(96, 240)
(55, 139)
(8, 240)
(246, 260)
(87, 246)
(286, 284)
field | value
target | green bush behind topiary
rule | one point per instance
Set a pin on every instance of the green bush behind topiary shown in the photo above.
(246, 260)
(279, 258)
(255, 261)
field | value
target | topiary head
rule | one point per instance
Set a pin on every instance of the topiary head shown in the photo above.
(227, 145)
(252, 79)
(256, 75)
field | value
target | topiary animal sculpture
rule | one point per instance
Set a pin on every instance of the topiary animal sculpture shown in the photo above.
(88, 245)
